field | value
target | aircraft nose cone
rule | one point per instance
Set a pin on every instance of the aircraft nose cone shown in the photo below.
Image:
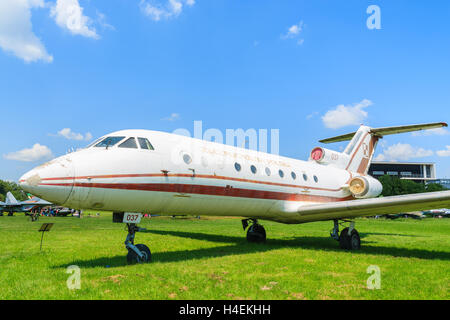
(52, 181)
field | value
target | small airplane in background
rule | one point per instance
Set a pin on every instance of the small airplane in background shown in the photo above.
(134, 171)
(443, 213)
(11, 204)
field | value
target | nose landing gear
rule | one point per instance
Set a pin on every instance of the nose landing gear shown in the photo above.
(348, 238)
(138, 253)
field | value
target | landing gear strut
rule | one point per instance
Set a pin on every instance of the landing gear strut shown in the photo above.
(348, 238)
(139, 253)
(256, 232)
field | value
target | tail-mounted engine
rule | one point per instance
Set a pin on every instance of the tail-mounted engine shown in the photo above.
(328, 157)
(365, 187)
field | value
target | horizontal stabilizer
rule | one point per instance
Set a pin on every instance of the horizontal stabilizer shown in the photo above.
(379, 132)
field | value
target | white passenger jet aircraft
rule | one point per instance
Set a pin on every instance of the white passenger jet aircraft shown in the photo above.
(131, 172)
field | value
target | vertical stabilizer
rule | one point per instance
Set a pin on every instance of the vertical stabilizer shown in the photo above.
(359, 152)
(10, 199)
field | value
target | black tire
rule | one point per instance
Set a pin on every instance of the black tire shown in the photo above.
(349, 242)
(344, 239)
(355, 241)
(132, 257)
(256, 233)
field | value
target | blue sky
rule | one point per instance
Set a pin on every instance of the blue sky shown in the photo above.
(311, 69)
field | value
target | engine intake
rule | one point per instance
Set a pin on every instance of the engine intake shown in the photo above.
(328, 157)
(365, 187)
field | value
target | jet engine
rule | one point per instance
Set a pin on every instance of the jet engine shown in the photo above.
(365, 187)
(328, 157)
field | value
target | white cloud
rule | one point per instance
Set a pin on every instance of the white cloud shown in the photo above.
(69, 134)
(101, 20)
(430, 132)
(343, 115)
(16, 32)
(311, 115)
(68, 14)
(173, 117)
(402, 152)
(156, 11)
(444, 153)
(37, 152)
(293, 32)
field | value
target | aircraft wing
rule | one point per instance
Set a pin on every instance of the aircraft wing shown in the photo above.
(35, 201)
(375, 206)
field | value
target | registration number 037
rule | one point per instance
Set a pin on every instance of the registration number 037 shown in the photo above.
(131, 217)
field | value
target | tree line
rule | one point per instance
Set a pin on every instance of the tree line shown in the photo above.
(394, 186)
(9, 186)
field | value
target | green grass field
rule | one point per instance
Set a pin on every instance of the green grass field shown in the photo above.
(209, 258)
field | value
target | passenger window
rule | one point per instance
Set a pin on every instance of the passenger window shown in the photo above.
(253, 169)
(281, 173)
(109, 142)
(130, 143)
(316, 179)
(187, 158)
(237, 166)
(305, 177)
(145, 144)
(268, 171)
(293, 175)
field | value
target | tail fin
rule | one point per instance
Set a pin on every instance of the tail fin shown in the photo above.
(10, 199)
(363, 142)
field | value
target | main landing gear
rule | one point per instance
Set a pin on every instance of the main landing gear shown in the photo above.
(256, 232)
(348, 238)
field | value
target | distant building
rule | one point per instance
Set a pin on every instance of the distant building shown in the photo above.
(444, 182)
(415, 171)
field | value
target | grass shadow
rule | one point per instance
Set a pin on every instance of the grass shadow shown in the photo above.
(365, 234)
(239, 246)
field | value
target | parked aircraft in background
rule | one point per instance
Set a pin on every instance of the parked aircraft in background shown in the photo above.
(134, 171)
(445, 213)
(11, 204)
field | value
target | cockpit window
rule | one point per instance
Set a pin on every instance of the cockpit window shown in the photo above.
(109, 142)
(145, 144)
(129, 143)
(93, 143)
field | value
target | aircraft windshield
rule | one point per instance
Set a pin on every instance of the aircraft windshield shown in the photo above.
(109, 142)
(93, 143)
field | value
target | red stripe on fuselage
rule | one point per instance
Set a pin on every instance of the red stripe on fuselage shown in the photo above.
(183, 175)
(204, 190)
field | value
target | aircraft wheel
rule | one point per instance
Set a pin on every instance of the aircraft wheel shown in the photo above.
(132, 257)
(349, 242)
(256, 233)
